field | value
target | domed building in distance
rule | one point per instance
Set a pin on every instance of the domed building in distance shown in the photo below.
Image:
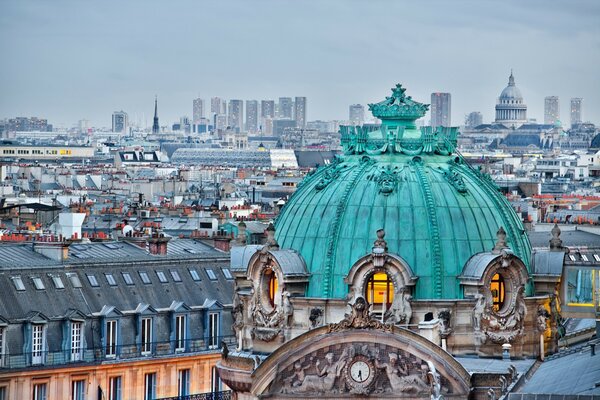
(381, 268)
(511, 110)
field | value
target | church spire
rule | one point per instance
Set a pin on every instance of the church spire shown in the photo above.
(155, 126)
(511, 79)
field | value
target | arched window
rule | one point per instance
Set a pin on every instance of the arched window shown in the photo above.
(379, 289)
(498, 291)
(272, 285)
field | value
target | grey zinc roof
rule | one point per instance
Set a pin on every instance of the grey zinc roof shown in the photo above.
(291, 262)
(475, 266)
(240, 256)
(21, 254)
(569, 237)
(547, 262)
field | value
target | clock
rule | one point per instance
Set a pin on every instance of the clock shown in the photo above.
(360, 374)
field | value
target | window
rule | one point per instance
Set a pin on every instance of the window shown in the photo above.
(37, 282)
(498, 290)
(584, 257)
(110, 279)
(211, 274)
(380, 290)
(175, 275)
(180, 333)
(150, 386)
(144, 277)
(183, 382)
(2, 349)
(213, 330)
(127, 278)
(161, 276)
(111, 338)
(93, 281)
(78, 390)
(596, 257)
(146, 336)
(39, 391)
(76, 346)
(38, 343)
(114, 388)
(270, 279)
(227, 273)
(195, 275)
(58, 283)
(3, 393)
(74, 280)
(18, 282)
(215, 380)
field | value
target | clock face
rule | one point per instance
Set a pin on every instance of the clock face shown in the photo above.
(360, 371)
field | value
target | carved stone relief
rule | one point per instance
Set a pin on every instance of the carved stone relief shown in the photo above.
(400, 312)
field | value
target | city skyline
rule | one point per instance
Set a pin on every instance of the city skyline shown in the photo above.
(97, 70)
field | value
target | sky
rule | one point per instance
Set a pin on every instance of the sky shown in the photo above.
(70, 60)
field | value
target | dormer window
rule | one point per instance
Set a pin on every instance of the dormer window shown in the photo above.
(37, 282)
(18, 282)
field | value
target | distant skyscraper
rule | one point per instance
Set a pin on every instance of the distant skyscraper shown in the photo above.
(551, 110)
(300, 111)
(576, 114)
(236, 112)
(285, 108)
(473, 119)
(267, 109)
(218, 106)
(155, 126)
(440, 109)
(220, 122)
(356, 114)
(120, 121)
(198, 110)
(251, 115)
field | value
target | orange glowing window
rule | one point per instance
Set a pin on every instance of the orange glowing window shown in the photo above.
(498, 291)
(271, 279)
(380, 289)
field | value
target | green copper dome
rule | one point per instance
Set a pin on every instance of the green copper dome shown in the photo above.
(435, 209)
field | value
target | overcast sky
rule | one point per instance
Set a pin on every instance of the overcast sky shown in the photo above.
(68, 60)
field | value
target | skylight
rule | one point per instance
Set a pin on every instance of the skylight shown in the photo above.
(18, 283)
(111, 279)
(144, 276)
(74, 280)
(584, 257)
(175, 276)
(37, 282)
(161, 276)
(195, 275)
(58, 283)
(93, 280)
(227, 273)
(211, 274)
(127, 278)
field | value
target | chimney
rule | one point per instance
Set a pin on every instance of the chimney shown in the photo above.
(55, 250)
(157, 244)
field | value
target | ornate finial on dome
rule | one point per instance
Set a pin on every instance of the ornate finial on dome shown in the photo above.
(556, 242)
(399, 106)
(271, 243)
(500, 241)
(511, 79)
(379, 249)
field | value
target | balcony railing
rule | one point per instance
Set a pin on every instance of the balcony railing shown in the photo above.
(203, 396)
(121, 352)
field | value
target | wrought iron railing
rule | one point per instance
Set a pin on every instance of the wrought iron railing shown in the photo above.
(119, 352)
(226, 395)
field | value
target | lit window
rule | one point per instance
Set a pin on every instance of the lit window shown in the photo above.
(180, 333)
(146, 336)
(37, 282)
(227, 273)
(161, 276)
(175, 276)
(74, 280)
(379, 290)
(110, 279)
(114, 388)
(58, 283)
(39, 391)
(93, 280)
(111, 338)
(127, 278)
(498, 292)
(211, 274)
(18, 282)
(195, 275)
(144, 276)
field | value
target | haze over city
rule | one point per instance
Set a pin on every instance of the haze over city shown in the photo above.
(70, 60)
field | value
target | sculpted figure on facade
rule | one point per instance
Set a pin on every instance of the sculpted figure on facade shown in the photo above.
(444, 316)
(400, 311)
(478, 311)
(542, 317)
(316, 317)
(287, 309)
(324, 380)
(237, 312)
(401, 381)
